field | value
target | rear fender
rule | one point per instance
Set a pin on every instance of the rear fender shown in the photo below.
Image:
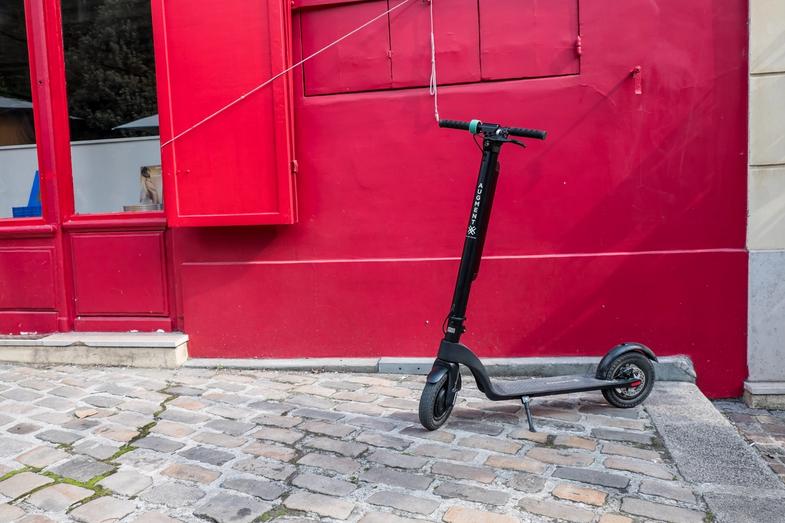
(619, 350)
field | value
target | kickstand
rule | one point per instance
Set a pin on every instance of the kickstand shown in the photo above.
(525, 400)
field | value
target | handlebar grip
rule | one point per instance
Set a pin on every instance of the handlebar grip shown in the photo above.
(454, 124)
(528, 133)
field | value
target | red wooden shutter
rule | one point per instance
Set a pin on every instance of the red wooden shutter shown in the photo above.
(528, 38)
(236, 168)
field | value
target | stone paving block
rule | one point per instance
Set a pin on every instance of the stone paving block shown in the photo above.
(385, 517)
(272, 451)
(560, 457)
(287, 436)
(103, 401)
(183, 416)
(443, 452)
(276, 471)
(502, 445)
(396, 478)
(230, 508)
(403, 502)
(286, 422)
(451, 489)
(641, 467)
(43, 456)
(328, 462)
(66, 391)
(480, 474)
(470, 515)
(219, 439)
(515, 463)
(575, 442)
(323, 505)
(369, 422)
(191, 473)
(21, 428)
(58, 436)
(207, 455)
(592, 476)
(231, 427)
(127, 482)
(22, 483)
(187, 403)
(155, 517)
(54, 403)
(580, 494)
(159, 444)
(10, 512)
(618, 423)
(667, 490)
(116, 433)
(22, 395)
(337, 430)
(172, 429)
(615, 518)
(362, 408)
(173, 494)
(81, 425)
(529, 483)
(266, 490)
(382, 440)
(554, 509)
(96, 449)
(537, 437)
(488, 429)
(103, 510)
(622, 435)
(395, 459)
(180, 390)
(275, 407)
(669, 513)
(437, 435)
(631, 452)
(128, 419)
(58, 497)
(323, 484)
(81, 468)
(346, 448)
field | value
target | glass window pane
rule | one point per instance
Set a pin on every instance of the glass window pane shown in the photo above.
(19, 195)
(110, 81)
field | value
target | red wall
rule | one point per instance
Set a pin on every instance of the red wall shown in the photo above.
(628, 223)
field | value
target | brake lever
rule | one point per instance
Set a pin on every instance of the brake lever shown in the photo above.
(516, 142)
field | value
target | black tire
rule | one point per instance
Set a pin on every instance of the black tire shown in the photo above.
(630, 364)
(434, 409)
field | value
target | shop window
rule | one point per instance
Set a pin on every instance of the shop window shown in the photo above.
(19, 182)
(476, 40)
(113, 114)
(528, 38)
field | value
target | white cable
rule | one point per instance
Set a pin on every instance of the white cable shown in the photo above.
(434, 86)
(267, 82)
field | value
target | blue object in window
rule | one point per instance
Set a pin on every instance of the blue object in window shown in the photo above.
(33, 207)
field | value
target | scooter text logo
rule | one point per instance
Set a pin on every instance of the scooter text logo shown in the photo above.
(472, 231)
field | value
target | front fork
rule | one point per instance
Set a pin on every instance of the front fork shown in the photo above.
(453, 372)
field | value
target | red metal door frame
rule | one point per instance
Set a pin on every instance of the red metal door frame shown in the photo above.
(59, 220)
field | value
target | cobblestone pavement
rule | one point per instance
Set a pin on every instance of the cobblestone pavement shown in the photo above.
(131, 445)
(763, 429)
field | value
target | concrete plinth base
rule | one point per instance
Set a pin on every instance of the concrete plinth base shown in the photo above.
(765, 395)
(131, 349)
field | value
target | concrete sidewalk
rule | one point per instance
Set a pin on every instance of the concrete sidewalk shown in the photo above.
(113, 444)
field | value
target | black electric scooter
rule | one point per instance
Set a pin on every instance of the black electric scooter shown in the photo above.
(625, 375)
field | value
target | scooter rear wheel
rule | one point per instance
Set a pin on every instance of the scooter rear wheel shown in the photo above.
(434, 408)
(630, 365)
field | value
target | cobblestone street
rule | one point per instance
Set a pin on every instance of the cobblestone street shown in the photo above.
(109, 444)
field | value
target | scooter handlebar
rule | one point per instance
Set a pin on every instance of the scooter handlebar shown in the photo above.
(477, 127)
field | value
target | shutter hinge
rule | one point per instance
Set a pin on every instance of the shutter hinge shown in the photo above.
(579, 46)
(294, 166)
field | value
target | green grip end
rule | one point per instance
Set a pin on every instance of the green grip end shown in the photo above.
(473, 126)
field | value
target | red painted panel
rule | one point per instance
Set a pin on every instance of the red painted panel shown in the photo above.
(120, 274)
(546, 32)
(551, 307)
(456, 33)
(235, 169)
(121, 323)
(27, 279)
(360, 62)
(17, 322)
(620, 173)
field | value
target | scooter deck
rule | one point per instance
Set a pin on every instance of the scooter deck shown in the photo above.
(533, 387)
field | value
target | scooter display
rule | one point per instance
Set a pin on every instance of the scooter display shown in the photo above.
(625, 375)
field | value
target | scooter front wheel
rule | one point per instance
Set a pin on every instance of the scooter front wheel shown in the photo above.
(631, 365)
(434, 407)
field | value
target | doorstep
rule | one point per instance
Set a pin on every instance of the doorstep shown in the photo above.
(131, 349)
